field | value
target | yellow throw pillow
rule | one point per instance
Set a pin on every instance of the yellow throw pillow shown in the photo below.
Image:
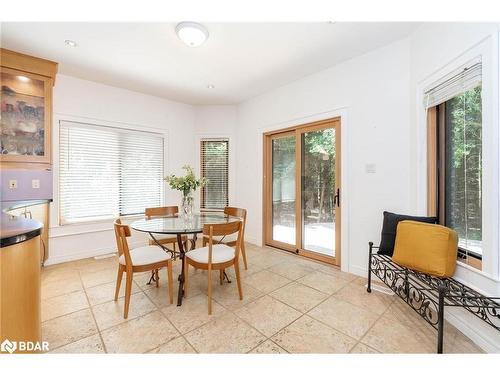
(428, 248)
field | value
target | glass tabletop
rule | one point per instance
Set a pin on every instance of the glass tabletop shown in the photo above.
(181, 225)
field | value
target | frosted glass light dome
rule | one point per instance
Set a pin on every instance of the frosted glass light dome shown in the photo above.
(191, 33)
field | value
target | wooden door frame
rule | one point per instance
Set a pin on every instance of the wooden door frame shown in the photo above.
(297, 131)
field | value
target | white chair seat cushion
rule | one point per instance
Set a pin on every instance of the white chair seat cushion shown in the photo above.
(146, 255)
(220, 254)
(229, 238)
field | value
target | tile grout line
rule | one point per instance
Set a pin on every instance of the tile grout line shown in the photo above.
(305, 314)
(300, 312)
(311, 317)
(226, 310)
(83, 290)
(262, 333)
(69, 313)
(88, 307)
(173, 325)
(93, 316)
(231, 310)
(157, 307)
(268, 294)
(371, 326)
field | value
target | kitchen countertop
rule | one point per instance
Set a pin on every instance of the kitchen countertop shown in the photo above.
(16, 229)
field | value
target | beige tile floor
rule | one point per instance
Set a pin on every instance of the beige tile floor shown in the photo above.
(291, 305)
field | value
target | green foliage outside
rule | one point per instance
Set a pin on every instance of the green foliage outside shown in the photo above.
(318, 171)
(464, 164)
(318, 176)
(215, 194)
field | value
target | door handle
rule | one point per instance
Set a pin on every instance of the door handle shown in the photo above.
(336, 198)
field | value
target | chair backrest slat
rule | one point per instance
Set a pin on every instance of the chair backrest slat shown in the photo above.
(161, 211)
(122, 231)
(235, 211)
(222, 229)
(238, 212)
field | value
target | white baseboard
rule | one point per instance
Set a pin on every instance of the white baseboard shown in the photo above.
(253, 240)
(77, 256)
(358, 270)
(479, 332)
(86, 254)
(473, 328)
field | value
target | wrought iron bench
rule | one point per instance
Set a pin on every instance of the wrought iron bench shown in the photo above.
(429, 295)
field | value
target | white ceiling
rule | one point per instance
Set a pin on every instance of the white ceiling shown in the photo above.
(242, 60)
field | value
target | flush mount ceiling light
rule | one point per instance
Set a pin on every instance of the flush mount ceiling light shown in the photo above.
(23, 78)
(210, 86)
(191, 33)
(70, 43)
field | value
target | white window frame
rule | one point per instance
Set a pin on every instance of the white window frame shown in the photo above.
(99, 225)
(487, 51)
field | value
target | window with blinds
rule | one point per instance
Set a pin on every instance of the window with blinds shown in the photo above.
(462, 80)
(455, 154)
(106, 172)
(215, 167)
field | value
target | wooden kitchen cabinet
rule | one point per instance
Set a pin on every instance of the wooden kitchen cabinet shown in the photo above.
(39, 212)
(20, 314)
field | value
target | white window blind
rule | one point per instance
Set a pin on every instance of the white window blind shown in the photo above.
(464, 79)
(106, 172)
(214, 166)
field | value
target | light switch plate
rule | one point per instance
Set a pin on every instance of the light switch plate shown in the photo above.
(35, 184)
(371, 168)
(12, 184)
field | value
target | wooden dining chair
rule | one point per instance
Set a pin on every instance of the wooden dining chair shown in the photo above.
(231, 240)
(141, 259)
(167, 211)
(215, 256)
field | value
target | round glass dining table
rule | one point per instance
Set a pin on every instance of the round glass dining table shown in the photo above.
(180, 226)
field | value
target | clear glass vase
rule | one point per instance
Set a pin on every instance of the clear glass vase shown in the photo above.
(187, 205)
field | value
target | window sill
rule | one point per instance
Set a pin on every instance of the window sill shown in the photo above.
(100, 220)
(478, 272)
(91, 226)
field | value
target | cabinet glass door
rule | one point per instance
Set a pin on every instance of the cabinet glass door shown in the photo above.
(24, 117)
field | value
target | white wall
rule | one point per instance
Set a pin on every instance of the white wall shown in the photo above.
(82, 100)
(377, 95)
(435, 48)
(218, 121)
(215, 119)
(371, 92)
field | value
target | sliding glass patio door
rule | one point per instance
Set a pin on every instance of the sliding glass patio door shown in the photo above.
(302, 190)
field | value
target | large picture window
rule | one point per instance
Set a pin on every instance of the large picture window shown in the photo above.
(214, 166)
(106, 172)
(455, 161)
